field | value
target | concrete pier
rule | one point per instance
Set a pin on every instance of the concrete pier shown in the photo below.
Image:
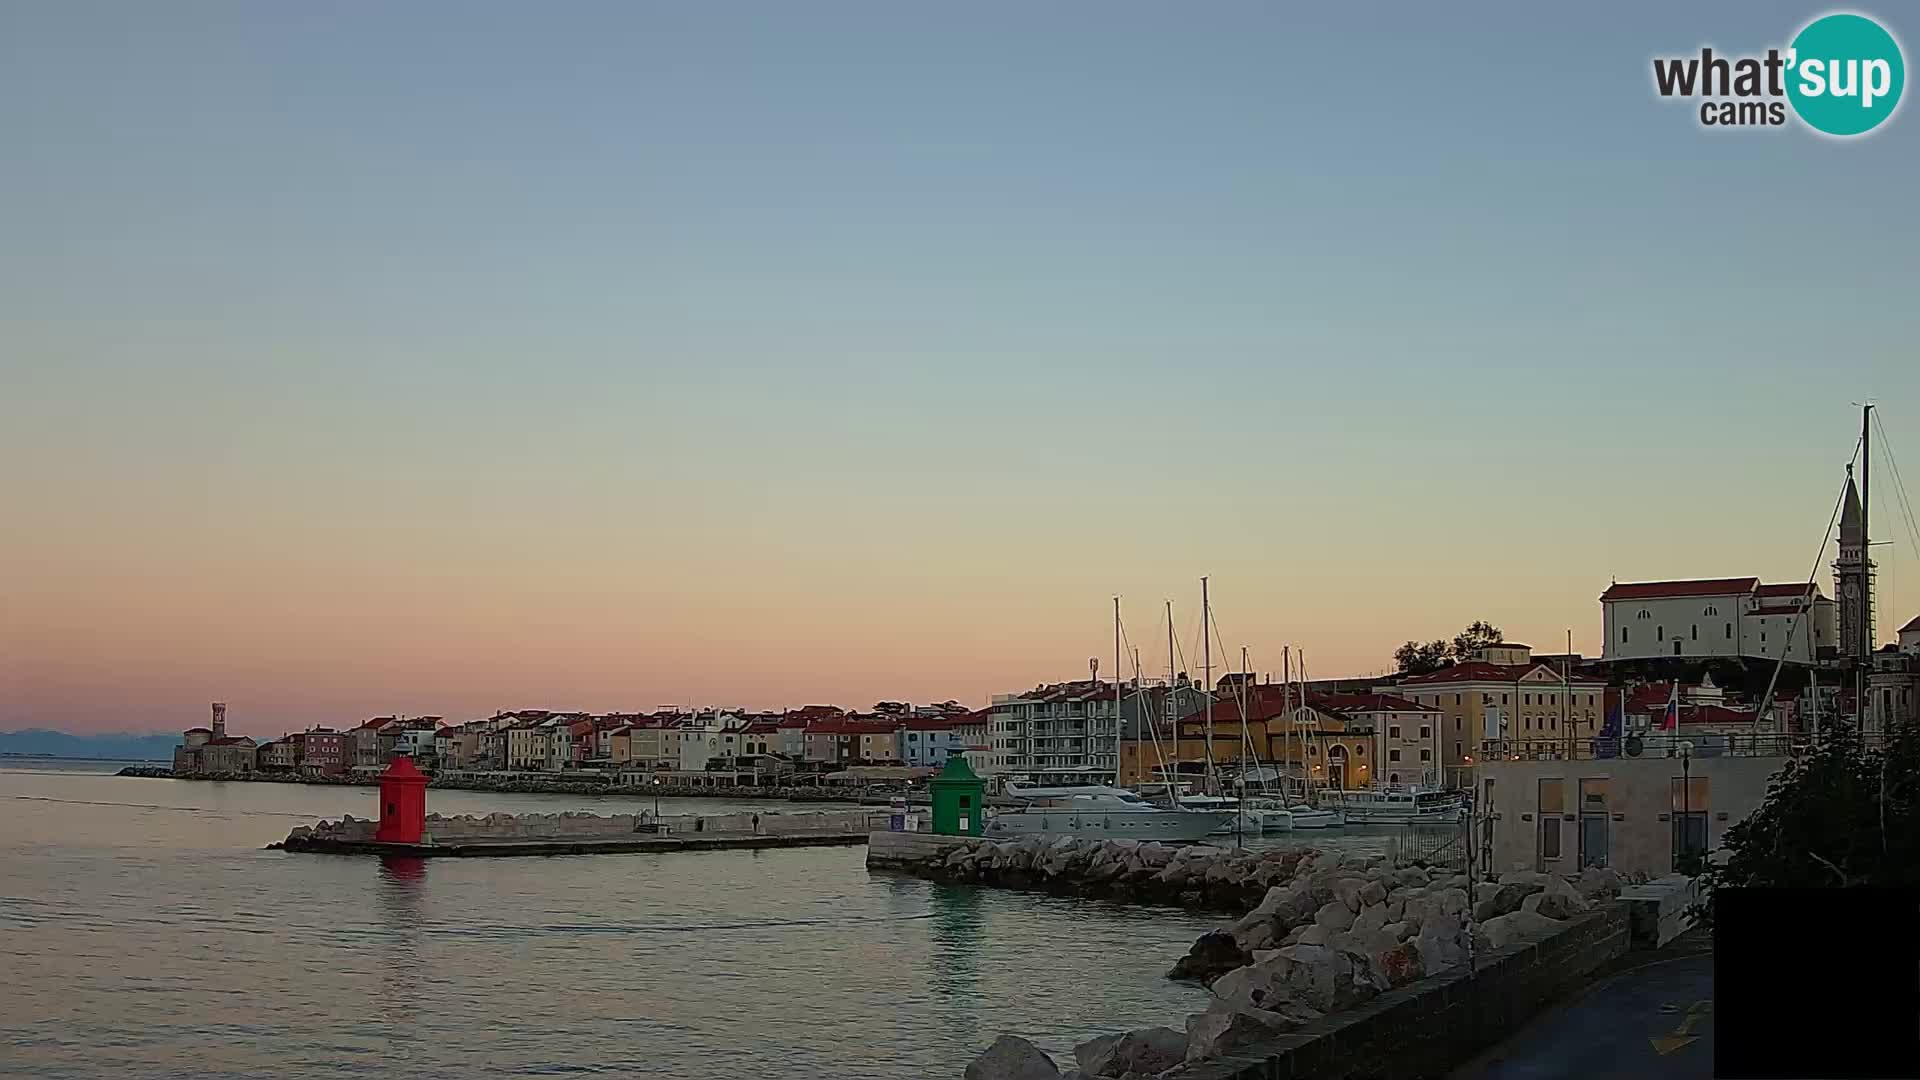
(624, 845)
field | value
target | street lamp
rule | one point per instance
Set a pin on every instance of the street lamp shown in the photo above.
(1685, 858)
(656, 799)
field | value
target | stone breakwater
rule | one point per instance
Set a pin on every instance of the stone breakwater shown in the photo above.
(1326, 933)
(1197, 876)
(470, 828)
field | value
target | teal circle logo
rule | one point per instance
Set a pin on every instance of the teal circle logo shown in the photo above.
(1845, 74)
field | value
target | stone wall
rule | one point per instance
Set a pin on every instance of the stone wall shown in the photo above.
(1332, 935)
(1428, 1028)
(1197, 876)
(467, 828)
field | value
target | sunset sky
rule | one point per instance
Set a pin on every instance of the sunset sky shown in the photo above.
(445, 358)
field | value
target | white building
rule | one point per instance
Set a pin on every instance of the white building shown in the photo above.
(1067, 726)
(1722, 617)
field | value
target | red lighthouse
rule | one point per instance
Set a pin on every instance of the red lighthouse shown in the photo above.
(403, 803)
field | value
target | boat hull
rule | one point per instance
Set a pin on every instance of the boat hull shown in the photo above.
(1315, 818)
(1116, 825)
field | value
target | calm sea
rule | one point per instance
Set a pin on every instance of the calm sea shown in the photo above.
(145, 933)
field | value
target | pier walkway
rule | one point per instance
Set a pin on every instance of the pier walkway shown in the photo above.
(1653, 1020)
(623, 845)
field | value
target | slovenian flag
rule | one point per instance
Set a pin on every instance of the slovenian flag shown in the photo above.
(1671, 721)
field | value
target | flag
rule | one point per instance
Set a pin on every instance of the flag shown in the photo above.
(1671, 721)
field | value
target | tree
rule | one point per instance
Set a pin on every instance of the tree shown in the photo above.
(1845, 815)
(1413, 658)
(1478, 635)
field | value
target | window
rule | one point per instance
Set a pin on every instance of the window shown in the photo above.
(1623, 635)
(1393, 755)
(1659, 633)
(1426, 755)
(1553, 797)
(1711, 610)
(1729, 631)
(1456, 725)
(1426, 732)
(1644, 614)
(1689, 806)
(1393, 778)
(1503, 699)
(1456, 699)
(1676, 646)
(1696, 631)
(1360, 750)
(1393, 731)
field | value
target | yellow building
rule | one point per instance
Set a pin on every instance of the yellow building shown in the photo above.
(1327, 747)
(1527, 702)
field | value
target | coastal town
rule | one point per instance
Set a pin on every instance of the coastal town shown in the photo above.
(1732, 675)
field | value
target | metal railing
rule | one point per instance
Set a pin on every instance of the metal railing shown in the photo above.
(1656, 745)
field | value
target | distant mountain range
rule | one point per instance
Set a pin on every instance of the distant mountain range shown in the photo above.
(121, 746)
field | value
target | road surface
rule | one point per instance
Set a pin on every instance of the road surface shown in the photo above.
(1649, 1022)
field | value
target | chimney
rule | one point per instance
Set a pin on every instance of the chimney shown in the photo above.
(219, 720)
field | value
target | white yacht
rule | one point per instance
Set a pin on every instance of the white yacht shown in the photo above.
(1099, 810)
(1397, 806)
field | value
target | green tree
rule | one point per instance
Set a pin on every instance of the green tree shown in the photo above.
(1414, 658)
(1478, 635)
(1844, 815)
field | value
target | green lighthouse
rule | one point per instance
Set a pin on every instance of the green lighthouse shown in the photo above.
(958, 799)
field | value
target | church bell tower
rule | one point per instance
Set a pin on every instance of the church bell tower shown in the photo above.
(1853, 578)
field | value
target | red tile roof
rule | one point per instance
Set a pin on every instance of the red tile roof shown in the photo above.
(1368, 703)
(1787, 590)
(853, 727)
(1479, 671)
(761, 727)
(1653, 590)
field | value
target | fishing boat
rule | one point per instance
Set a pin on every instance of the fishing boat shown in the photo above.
(1398, 806)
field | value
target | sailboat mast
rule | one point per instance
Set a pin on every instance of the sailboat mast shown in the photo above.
(1286, 706)
(1172, 704)
(1206, 668)
(1119, 669)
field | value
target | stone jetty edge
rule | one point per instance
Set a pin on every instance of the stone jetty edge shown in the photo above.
(1339, 965)
(581, 833)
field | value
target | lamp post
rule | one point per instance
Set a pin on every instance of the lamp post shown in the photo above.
(656, 798)
(1685, 857)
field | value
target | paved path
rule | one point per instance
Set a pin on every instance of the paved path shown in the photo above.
(1653, 1022)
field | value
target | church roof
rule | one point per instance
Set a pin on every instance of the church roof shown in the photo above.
(1655, 590)
(1850, 513)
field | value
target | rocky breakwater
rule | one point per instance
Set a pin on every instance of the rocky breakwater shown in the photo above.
(1338, 931)
(1197, 876)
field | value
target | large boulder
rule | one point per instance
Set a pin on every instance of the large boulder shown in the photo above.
(1143, 1052)
(1223, 1029)
(1214, 954)
(1347, 891)
(1336, 916)
(1598, 882)
(1012, 1058)
(1322, 977)
(1259, 985)
(1559, 900)
(1517, 926)
(1372, 917)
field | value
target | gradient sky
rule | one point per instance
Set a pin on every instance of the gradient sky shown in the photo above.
(449, 357)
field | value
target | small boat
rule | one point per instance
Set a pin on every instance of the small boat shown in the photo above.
(1316, 817)
(1398, 806)
(1100, 811)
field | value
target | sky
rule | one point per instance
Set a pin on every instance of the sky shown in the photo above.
(452, 357)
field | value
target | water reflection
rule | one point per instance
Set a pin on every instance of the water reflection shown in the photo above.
(402, 899)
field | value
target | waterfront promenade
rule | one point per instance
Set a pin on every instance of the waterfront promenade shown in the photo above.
(1651, 1019)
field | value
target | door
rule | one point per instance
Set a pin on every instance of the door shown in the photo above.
(1337, 767)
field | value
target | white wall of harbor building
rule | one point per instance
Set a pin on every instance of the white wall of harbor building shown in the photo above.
(1559, 815)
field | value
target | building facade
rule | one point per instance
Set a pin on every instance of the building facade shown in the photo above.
(1071, 725)
(1479, 701)
(1719, 617)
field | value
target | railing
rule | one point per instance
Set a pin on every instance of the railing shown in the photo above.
(1434, 845)
(1661, 745)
